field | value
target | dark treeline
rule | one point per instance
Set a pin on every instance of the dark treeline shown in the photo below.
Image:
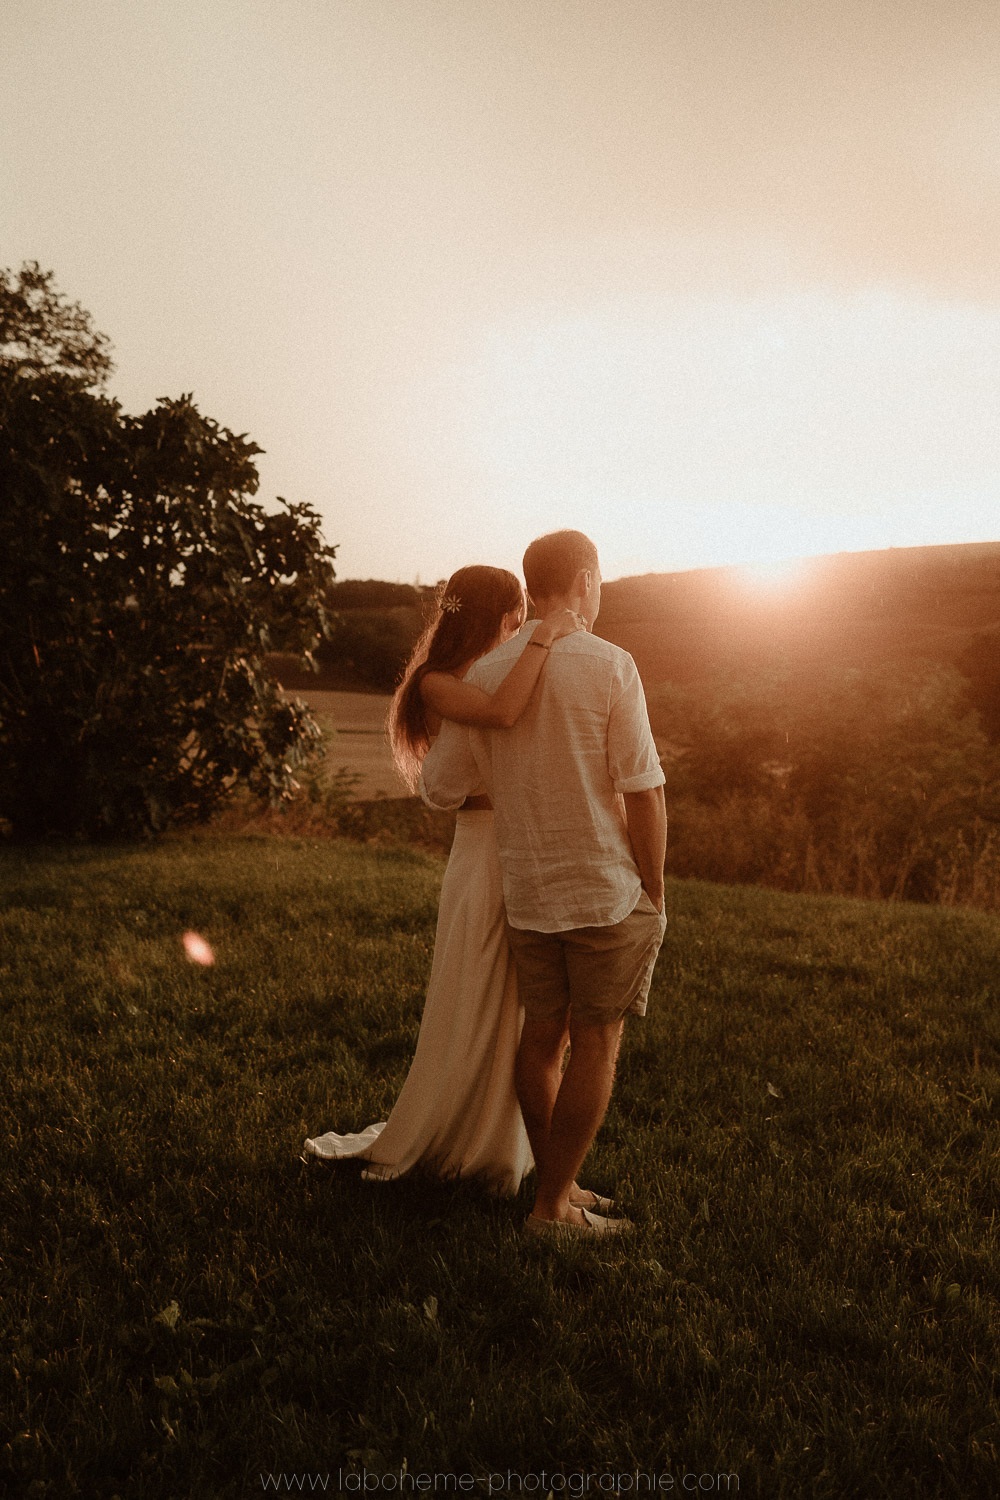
(374, 626)
(374, 593)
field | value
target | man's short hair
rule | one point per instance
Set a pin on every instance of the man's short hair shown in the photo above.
(552, 562)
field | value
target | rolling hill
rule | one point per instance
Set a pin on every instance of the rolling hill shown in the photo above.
(934, 603)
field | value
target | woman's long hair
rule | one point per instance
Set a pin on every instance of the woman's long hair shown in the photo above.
(466, 624)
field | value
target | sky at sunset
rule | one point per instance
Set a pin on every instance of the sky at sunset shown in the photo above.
(713, 280)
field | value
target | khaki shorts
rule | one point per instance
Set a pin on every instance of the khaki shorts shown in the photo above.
(598, 973)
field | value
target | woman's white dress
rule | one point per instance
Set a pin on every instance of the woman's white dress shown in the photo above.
(457, 1112)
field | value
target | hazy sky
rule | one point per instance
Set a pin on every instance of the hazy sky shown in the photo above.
(713, 280)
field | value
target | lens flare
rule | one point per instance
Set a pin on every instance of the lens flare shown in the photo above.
(197, 950)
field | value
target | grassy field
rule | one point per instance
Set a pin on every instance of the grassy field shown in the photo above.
(805, 1130)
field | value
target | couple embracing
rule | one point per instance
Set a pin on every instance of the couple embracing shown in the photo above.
(551, 910)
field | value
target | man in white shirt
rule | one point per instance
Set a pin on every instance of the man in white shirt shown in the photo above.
(577, 791)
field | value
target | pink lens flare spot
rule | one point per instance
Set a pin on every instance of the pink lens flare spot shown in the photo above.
(197, 949)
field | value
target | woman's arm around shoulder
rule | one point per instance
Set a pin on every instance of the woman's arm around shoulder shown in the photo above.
(464, 703)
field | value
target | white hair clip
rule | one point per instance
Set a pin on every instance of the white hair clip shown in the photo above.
(451, 604)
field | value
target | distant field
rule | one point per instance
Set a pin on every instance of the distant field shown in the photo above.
(356, 722)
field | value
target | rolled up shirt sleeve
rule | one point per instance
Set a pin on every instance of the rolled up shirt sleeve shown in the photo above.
(633, 763)
(449, 773)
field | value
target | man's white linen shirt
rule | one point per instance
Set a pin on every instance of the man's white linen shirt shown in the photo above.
(555, 780)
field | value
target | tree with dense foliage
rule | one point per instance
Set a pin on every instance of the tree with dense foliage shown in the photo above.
(40, 332)
(142, 589)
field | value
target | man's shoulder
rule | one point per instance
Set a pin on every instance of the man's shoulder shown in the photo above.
(497, 663)
(595, 649)
(594, 645)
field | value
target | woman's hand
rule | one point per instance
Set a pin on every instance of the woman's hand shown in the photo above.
(555, 625)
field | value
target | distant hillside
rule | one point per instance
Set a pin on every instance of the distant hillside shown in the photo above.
(852, 609)
(936, 603)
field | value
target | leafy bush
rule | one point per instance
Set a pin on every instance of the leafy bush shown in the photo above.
(142, 590)
(873, 784)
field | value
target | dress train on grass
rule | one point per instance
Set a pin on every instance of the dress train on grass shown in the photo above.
(457, 1112)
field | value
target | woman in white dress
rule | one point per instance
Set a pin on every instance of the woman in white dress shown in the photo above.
(457, 1112)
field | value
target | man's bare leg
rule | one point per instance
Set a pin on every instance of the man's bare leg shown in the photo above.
(580, 1104)
(537, 1076)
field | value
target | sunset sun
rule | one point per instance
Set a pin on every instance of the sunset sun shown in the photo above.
(773, 577)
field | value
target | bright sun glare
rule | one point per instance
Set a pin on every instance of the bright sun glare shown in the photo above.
(773, 576)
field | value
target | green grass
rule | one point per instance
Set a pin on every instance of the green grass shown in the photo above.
(805, 1129)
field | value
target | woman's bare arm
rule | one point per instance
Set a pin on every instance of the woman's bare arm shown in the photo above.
(464, 703)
